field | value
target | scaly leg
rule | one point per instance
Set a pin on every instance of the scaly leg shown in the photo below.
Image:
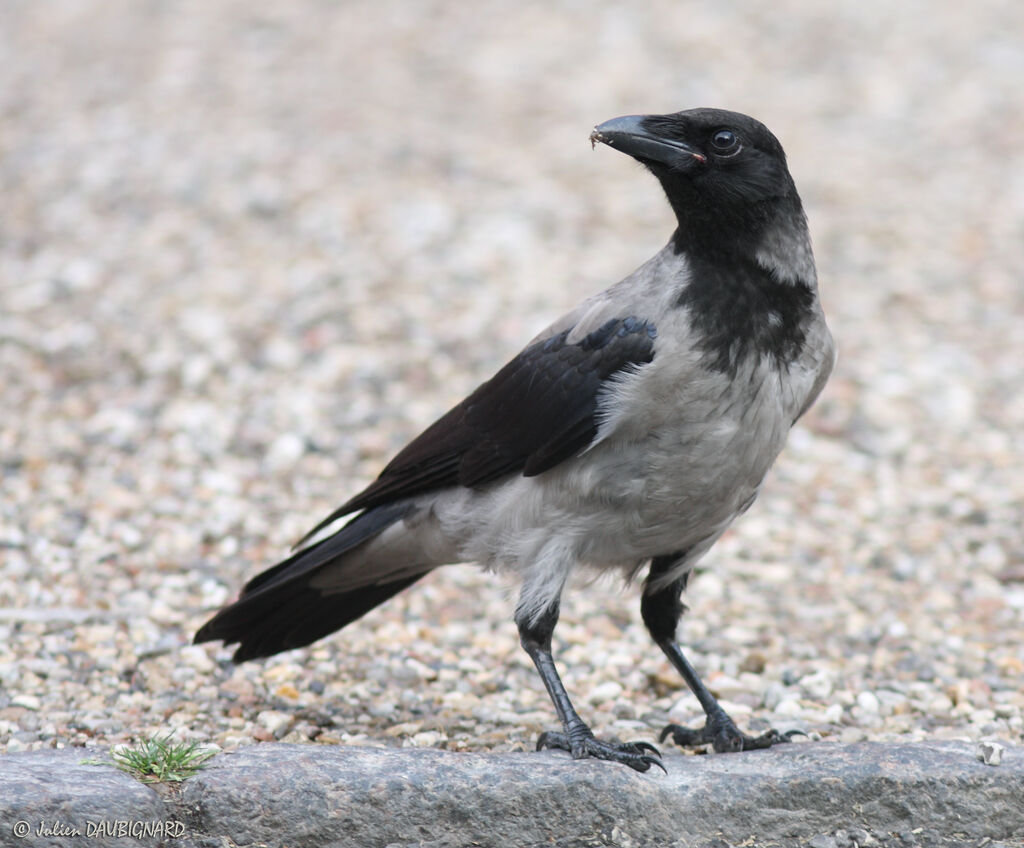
(576, 737)
(661, 610)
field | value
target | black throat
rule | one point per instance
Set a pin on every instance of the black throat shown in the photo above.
(742, 309)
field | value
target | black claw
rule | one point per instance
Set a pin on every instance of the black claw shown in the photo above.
(789, 734)
(655, 761)
(627, 753)
(647, 746)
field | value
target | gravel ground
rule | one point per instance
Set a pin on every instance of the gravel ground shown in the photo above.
(248, 250)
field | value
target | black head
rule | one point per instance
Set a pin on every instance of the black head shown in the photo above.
(724, 173)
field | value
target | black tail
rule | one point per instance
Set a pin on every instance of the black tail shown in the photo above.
(279, 610)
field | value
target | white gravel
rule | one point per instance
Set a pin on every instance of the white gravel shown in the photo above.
(247, 250)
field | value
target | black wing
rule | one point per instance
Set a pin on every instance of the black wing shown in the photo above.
(538, 410)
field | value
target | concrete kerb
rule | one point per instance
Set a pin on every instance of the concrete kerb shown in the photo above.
(807, 793)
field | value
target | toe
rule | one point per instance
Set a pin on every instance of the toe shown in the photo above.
(765, 740)
(685, 737)
(549, 739)
(627, 754)
(633, 754)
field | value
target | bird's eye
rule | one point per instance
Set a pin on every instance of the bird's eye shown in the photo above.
(725, 142)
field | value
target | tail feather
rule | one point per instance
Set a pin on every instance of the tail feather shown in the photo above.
(279, 609)
(360, 529)
(292, 616)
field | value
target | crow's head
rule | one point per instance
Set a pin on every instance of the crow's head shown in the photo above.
(724, 173)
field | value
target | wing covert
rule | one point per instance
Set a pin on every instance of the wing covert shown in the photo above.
(537, 411)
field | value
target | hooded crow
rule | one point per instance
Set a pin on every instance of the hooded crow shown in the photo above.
(628, 435)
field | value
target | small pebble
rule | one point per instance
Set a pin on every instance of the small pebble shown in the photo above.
(274, 721)
(603, 692)
(788, 707)
(868, 702)
(990, 753)
(860, 837)
(833, 714)
(818, 685)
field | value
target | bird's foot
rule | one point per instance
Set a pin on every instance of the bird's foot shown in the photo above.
(631, 754)
(722, 734)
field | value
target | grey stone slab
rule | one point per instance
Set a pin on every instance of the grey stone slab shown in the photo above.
(60, 798)
(357, 797)
(928, 794)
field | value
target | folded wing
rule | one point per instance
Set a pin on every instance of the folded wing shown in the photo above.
(537, 411)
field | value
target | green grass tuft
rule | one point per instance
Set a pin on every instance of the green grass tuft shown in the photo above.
(159, 760)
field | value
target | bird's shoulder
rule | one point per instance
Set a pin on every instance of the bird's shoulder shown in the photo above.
(648, 293)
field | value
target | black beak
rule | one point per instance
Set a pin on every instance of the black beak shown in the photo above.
(629, 135)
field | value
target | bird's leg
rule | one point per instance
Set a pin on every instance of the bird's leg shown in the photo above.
(661, 610)
(576, 737)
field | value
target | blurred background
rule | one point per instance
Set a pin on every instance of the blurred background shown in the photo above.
(248, 250)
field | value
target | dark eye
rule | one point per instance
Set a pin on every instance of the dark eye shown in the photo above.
(725, 142)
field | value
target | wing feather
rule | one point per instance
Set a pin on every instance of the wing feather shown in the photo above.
(536, 412)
